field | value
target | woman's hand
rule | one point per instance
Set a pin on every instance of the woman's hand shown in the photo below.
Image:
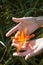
(31, 48)
(29, 22)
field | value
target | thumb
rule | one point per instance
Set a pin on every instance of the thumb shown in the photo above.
(17, 19)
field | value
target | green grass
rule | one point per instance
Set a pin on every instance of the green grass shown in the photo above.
(17, 8)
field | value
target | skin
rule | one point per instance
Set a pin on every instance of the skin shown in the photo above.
(33, 47)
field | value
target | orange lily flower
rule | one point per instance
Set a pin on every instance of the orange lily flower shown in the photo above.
(22, 38)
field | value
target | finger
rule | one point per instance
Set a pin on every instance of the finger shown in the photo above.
(17, 19)
(37, 42)
(16, 44)
(34, 44)
(23, 53)
(12, 30)
(38, 49)
(29, 55)
(22, 19)
(33, 53)
(20, 54)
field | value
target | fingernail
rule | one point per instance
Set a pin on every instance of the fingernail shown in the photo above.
(15, 54)
(6, 34)
(27, 57)
(13, 18)
(12, 44)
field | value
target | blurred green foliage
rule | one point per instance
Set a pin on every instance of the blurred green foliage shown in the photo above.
(17, 8)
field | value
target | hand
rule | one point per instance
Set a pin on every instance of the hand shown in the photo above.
(31, 48)
(29, 22)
